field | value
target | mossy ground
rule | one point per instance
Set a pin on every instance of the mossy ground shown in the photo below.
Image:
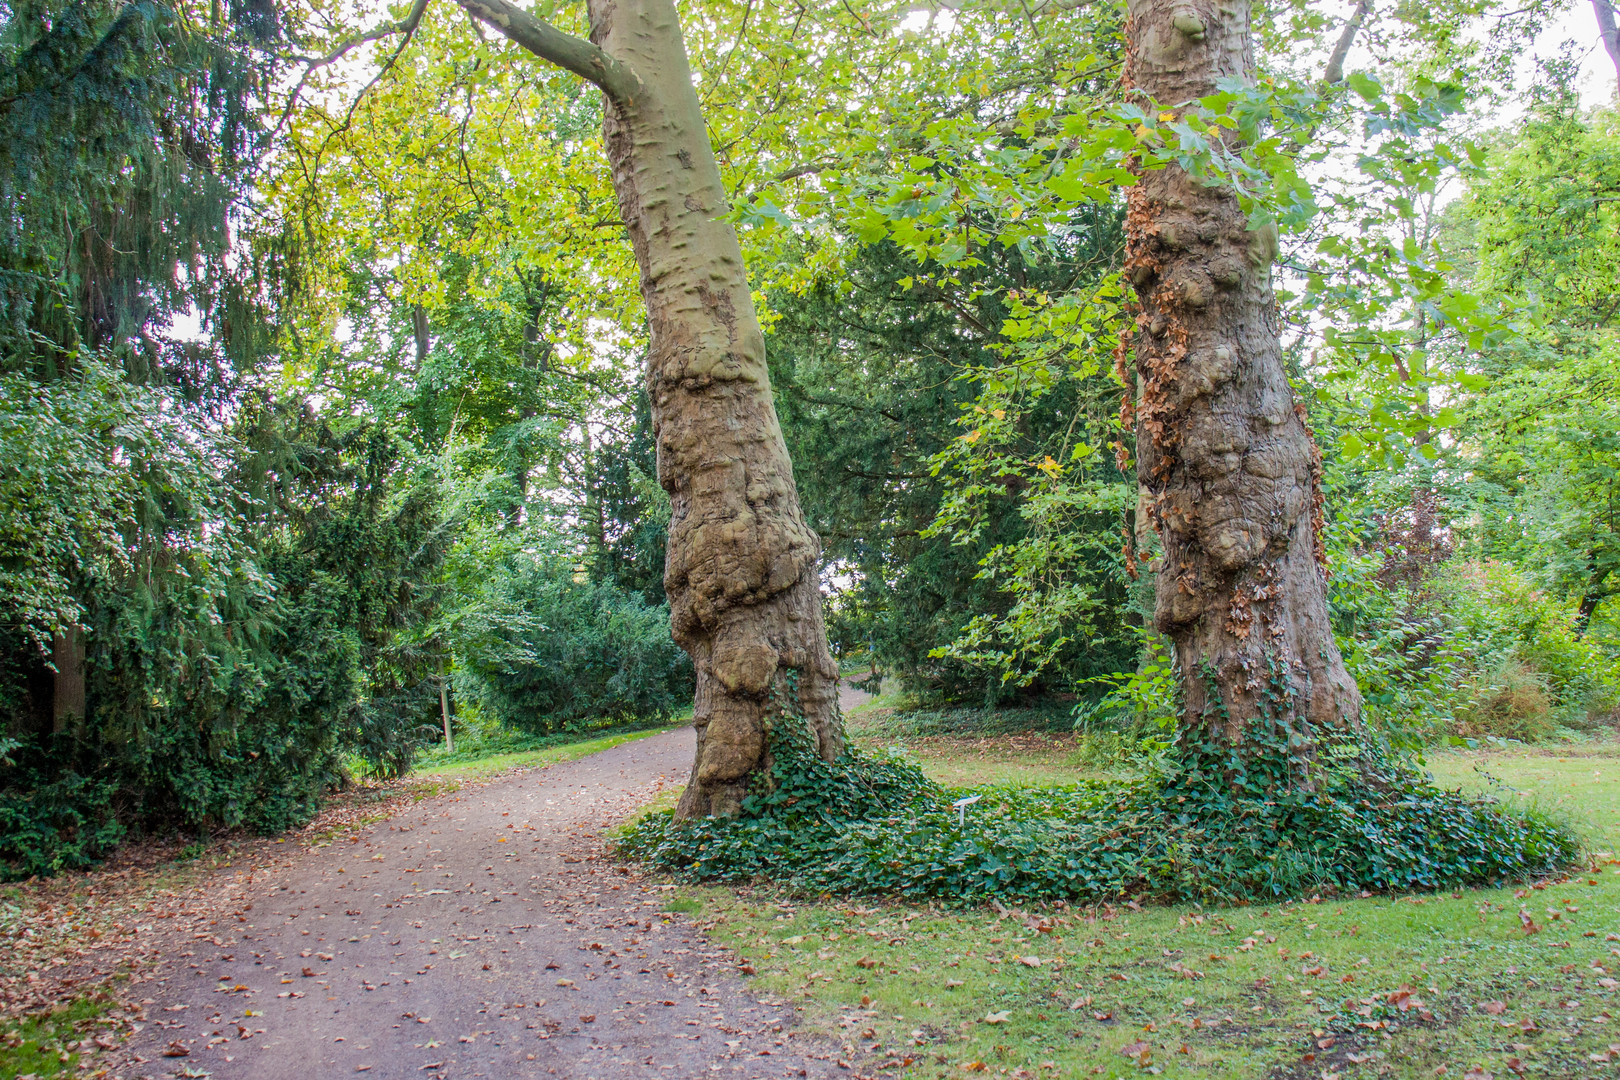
(1333, 987)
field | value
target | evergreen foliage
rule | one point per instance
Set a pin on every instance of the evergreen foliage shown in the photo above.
(125, 141)
(567, 652)
(213, 581)
(874, 376)
(230, 676)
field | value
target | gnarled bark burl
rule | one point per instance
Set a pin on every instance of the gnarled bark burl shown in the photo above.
(1231, 472)
(742, 566)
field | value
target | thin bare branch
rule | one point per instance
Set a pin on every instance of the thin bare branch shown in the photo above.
(406, 26)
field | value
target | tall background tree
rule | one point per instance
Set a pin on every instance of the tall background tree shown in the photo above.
(202, 580)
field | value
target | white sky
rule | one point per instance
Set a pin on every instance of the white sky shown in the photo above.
(1597, 83)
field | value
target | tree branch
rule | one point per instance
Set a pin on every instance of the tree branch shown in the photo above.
(406, 26)
(1334, 72)
(1604, 11)
(568, 52)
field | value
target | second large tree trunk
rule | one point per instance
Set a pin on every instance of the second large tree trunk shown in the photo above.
(1231, 470)
(742, 566)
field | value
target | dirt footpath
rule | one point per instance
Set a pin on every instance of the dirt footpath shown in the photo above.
(483, 934)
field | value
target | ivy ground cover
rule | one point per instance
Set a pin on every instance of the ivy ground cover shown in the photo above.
(1500, 982)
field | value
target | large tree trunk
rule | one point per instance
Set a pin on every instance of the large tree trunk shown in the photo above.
(1222, 447)
(742, 567)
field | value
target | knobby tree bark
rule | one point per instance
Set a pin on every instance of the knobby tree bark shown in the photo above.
(1231, 470)
(742, 566)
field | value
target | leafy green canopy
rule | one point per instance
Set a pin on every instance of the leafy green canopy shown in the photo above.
(870, 388)
(1539, 460)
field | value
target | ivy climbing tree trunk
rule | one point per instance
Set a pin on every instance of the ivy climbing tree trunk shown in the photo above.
(742, 566)
(1231, 472)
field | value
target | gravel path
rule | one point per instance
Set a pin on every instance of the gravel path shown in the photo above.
(482, 934)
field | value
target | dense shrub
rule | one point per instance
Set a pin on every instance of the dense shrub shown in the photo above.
(1471, 649)
(54, 819)
(565, 652)
(1509, 701)
(230, 674)
(1203, 830)
(1504, 619)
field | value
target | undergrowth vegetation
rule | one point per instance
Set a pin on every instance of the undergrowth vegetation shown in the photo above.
(1204, 826)
(1467, 649)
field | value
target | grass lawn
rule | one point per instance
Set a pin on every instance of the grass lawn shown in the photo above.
(436, 765)
(48, 1044)
(1431, 985)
